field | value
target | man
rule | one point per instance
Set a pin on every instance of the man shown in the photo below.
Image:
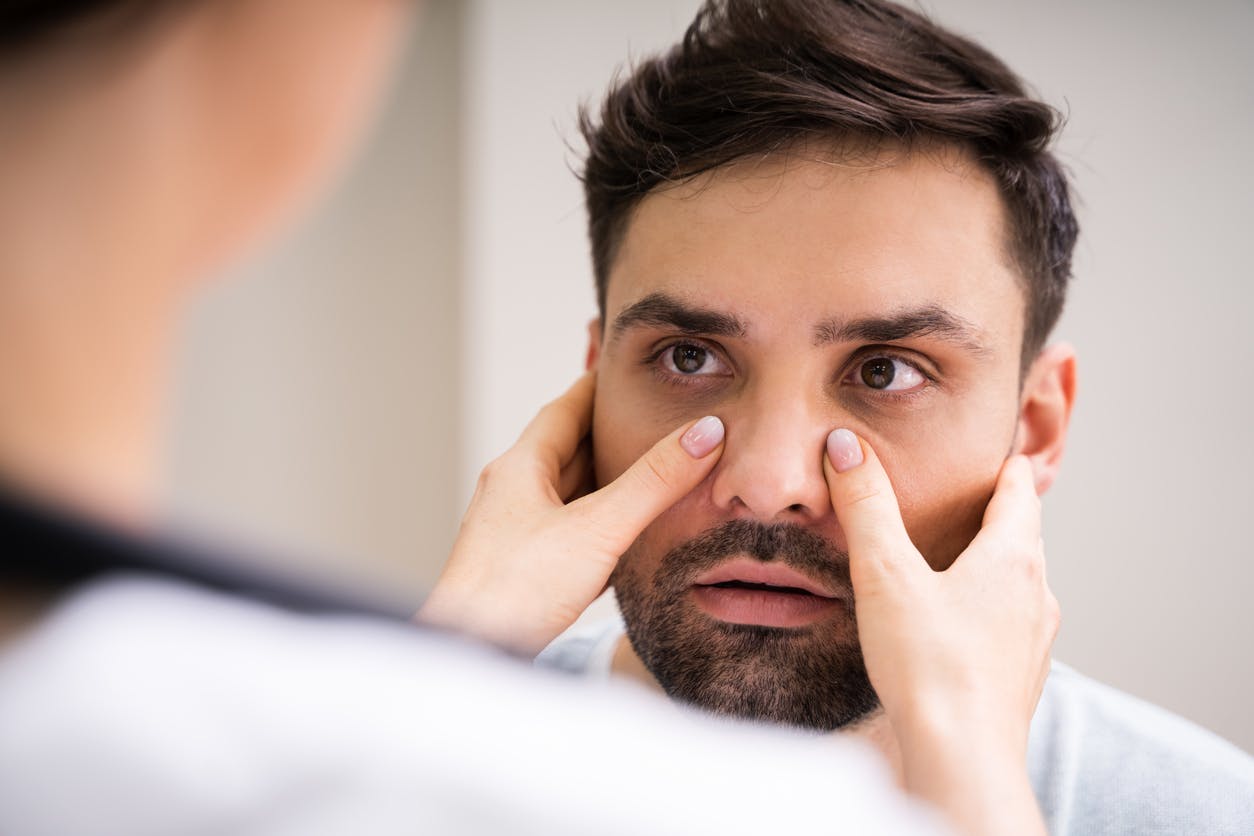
(149, 688)
(821, 221)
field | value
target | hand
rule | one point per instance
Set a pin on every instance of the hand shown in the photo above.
(528, 560)
(959, 657)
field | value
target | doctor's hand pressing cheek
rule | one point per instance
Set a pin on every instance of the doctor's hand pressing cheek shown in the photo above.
(535, 547)
(958, 658)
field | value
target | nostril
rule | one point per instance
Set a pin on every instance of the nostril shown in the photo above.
(797, 507)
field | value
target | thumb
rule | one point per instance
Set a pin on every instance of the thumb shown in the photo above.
(655, 482)
(866, 508)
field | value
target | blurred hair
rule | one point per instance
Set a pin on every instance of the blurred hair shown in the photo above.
(26, 26)
(754, 77)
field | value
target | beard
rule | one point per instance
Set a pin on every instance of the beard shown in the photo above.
(809, 677)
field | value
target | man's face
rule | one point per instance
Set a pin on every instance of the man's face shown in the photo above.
(790, 297)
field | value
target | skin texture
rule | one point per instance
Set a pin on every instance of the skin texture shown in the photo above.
(785, 245)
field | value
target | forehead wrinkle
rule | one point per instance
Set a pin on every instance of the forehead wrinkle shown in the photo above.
(663, 311)
(927, 321)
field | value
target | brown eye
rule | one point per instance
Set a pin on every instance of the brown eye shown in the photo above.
(694, 361)
(689, 359)
(878, 373)
(888, 374)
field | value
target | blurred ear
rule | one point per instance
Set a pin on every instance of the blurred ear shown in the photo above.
(1045, 412)
(594, 344)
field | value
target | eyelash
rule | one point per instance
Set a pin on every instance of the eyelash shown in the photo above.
(654, 358)
(859, 357)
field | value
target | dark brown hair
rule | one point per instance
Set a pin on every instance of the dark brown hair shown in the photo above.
(29, 25)
(753, 77)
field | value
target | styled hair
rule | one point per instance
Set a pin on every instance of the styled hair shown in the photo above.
(755, 77)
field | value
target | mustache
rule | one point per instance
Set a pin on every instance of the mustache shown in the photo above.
(787, 543)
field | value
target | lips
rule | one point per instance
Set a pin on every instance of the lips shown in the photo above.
(748, 591)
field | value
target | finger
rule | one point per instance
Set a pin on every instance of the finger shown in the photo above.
(554, 435)
(655, 482)
(866, 507)
(1015, 506)
(1012, 524)
(587, 486)
(577, 473)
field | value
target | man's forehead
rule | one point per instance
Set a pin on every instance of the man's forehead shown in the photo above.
(842, 282)
(921, 231)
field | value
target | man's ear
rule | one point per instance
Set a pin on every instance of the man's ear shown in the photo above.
(594, 344)
(1045, 412)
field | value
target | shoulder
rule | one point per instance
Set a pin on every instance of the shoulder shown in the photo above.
(163, 708)
(147, 708)
(1103, 761)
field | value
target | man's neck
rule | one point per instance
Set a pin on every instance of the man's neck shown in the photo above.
(626, 664)
(874, 730)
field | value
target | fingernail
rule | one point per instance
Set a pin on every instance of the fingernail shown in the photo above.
(844, 450)
(702, 437)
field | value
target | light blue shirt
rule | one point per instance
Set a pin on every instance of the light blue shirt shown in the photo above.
(1100, 761)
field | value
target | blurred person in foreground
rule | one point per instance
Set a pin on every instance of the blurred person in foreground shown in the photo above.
(838, 231)
(149, 688)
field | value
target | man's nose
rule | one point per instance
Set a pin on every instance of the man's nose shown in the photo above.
(772, 465)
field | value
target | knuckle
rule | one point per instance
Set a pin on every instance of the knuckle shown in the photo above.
(1053, 615)
(491, 473)
(1027, 557)
(862, 495)
(501, 470)
(653, 473)
(1034, 566)
(892, 567)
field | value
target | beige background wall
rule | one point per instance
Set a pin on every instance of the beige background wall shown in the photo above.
(319, 400)
(346, 393)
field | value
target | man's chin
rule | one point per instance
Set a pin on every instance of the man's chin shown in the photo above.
(799, 677)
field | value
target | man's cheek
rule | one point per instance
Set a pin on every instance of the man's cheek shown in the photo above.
(617, 444)
(687, 518)
(612, 457)
(639, 564)
(617, 441)
(943, 518)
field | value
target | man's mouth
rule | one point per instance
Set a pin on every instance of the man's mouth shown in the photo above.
(749, 591)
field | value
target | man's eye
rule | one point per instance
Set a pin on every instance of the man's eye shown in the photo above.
(688, 359)
(888, 374)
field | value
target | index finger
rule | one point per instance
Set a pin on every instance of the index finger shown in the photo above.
(866, 506)
(554, 434)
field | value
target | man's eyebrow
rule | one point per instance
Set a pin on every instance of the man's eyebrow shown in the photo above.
(662, 311)
(927, 321)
